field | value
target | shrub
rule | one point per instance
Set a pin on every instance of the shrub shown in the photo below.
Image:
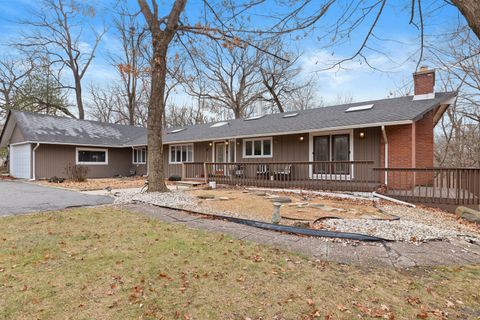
(76, 173)
(174, 178)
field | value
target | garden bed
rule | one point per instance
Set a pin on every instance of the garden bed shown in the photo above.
(100, 183)
(375, 218)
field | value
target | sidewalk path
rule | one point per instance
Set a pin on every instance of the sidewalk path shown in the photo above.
(391, 254)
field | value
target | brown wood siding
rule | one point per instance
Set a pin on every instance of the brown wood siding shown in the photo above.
(51, 160)
(202, 152)
(16, 136)
(367, 148)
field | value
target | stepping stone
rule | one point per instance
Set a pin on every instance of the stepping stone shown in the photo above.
(281, 199)
(316, 205)
(260, 194)
(224, 198)
(205, 196)
(301, 224)
(298, 204)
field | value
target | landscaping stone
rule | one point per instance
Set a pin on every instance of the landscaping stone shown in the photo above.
(301, 224)
(468, 214)
(281, 199)
(205, 196)
(260, 194)
(316, 205)
(224, 198)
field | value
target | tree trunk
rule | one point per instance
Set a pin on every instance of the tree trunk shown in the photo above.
(156, 107)
(78, 96)
(470, 9)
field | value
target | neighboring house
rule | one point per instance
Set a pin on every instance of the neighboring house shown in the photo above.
(396, 132)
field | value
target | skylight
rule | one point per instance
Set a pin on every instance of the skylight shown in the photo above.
(219, 124)
(360, 108)
(177, 130)
(254, 117)
(290, 115)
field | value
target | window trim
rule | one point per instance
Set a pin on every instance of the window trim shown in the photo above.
(253, 156)
(77, 162)
(136, 149)
(180, 145)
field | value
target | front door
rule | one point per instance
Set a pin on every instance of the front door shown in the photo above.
(220, 156)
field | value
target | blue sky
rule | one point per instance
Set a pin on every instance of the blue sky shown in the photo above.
(355, 80)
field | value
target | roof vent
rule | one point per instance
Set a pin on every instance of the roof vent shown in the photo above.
(254, 117)
(219, 124)
(360, 108)
(290, 115)
(176, 130)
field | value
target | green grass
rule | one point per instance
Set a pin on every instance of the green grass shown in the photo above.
(104, 263)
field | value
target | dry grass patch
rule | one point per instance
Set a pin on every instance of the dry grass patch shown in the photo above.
(251, 206)
(105, 263)
(100, 183)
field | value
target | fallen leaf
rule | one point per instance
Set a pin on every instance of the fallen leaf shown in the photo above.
(422, 315)
(341, 307)
(310, 302)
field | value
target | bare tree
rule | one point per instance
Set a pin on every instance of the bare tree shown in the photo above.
(57, 33)
(132, 62)
(162, 30)
(12, 78)
(232, 81)
(470, 9)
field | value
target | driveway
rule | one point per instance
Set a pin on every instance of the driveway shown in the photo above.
(21, 197)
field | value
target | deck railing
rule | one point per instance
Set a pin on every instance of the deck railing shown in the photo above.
(432, 185)
(316, 175)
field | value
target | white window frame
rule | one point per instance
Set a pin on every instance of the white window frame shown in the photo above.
(176, 146)
(91, 163)
(253, 148)
(140, 149)
(347, 177)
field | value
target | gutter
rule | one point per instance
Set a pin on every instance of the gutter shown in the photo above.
(33, 161)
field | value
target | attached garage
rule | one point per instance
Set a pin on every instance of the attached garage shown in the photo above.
(21, 161)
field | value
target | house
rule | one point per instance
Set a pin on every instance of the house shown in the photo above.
(396, 132)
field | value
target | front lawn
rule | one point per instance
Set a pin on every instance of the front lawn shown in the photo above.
(105, 263)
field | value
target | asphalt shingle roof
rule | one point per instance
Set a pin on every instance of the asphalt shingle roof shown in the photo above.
(44, 128)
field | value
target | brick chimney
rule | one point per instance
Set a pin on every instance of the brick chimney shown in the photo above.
(424, 83)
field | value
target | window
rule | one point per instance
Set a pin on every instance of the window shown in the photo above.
(257, 148)
(176, 131)
(360, 108)
(181, 153)
(254, 117)
(91, 156)
(139, 156)
(219, 124)
(290, 115)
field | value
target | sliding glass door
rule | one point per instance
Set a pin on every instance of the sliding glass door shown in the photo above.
(328, 149)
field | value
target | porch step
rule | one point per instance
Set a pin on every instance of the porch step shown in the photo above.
(190, 183)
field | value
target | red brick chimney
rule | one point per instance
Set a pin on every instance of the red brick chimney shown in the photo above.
(423, 81)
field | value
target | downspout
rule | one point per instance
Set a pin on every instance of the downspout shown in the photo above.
(385, 165)
(33, 162)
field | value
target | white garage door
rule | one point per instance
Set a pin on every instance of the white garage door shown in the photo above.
(20, 161)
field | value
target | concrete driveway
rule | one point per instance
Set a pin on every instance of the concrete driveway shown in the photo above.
(21, 197)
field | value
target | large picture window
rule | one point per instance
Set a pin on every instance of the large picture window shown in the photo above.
(86, 156)
(181, 153)
(139, 155)
(257, 148)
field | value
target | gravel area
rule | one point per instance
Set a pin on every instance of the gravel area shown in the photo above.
(415, 224)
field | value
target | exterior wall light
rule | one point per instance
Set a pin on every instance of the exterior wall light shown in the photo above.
(362, 134)
(210, 144)
(226, 143)
(301, 139)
